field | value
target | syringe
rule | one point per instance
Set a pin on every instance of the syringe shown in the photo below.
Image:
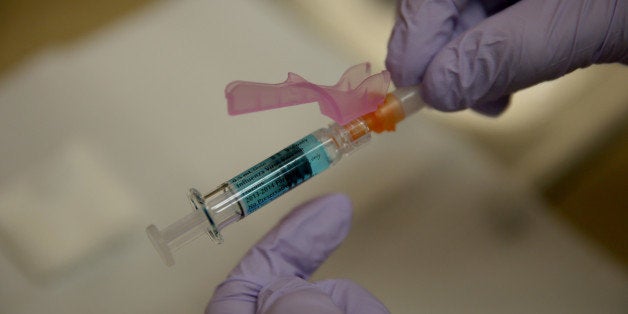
(250, 190)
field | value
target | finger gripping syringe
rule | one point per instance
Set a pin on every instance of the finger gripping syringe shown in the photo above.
(250, 190)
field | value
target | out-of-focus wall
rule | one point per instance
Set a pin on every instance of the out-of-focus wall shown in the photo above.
(29, 25)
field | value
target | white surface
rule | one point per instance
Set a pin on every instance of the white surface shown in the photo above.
(445, 231)
(64, 209)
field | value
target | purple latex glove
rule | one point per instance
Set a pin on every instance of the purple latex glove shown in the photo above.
(474, 54)
(272, 276)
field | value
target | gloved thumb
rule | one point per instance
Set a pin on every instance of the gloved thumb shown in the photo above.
(296, 247)
(527, 43)
(300, 242)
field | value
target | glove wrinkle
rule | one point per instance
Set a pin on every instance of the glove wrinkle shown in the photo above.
(237, 289)
(234, 295)
(294, 295)
(351, 297)
(612, 49)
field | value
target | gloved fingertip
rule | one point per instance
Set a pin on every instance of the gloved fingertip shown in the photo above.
(492, 108)
(311, 232)
(436, 92)
(440, 87)
(337, 206)
(329, 214)
(400, 74)
(300, 243)
(421, 29)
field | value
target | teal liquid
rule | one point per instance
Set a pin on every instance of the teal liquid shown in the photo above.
(280, 173)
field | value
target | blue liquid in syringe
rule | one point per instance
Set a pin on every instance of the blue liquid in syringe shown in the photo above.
(280, 173)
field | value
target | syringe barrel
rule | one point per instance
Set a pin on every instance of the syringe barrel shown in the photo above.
(257, 186)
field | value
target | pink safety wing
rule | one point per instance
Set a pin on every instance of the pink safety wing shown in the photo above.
(356, 93)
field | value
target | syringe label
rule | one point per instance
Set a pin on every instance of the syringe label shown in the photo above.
(280, 173)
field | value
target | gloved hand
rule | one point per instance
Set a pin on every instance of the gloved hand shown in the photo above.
(473, 54)
(272, 276)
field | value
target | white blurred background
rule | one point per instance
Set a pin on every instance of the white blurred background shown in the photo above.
(110, 111)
